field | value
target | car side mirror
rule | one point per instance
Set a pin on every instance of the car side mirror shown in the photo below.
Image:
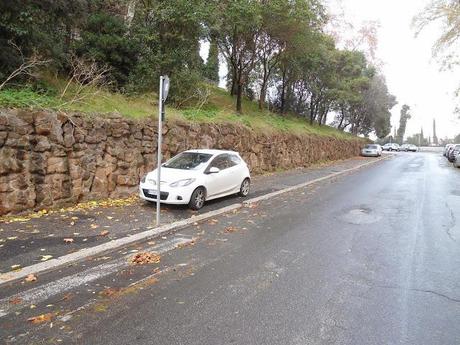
(214, 170)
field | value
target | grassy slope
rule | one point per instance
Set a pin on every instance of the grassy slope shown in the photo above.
(220, 109)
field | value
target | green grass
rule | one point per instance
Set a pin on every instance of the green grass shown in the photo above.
(220, 109)
(20, 98)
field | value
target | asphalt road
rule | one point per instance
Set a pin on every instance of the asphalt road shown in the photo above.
(24, 242)
(368, 258)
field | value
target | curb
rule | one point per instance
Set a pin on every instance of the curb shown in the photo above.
(320, 179)
(160, 231)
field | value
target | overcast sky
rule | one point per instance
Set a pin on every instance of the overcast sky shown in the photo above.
(413, 76)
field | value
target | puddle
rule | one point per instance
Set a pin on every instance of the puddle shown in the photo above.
(361, 215)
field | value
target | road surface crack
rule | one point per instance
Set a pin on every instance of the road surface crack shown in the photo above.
(419, 290)
(437, 294)
(452, 223)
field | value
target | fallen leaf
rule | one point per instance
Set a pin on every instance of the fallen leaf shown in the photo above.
(67, 297)
(68, 240)
(41, 318)
(109, 292)
(31, 278)
(186, 244)
(15, 300)
(213, 221)
(46, 257)
(145, 258)
(94, 226)
(109, 217)
(12, 238)
(230, 229)
(104, 233)
(74, 218)
(16, 267)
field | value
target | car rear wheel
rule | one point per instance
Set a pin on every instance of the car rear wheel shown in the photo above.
(245, 187)
(197, 199)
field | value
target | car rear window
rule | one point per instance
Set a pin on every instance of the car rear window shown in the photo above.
(372, 147)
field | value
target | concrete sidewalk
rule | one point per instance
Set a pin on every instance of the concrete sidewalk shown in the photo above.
(25, 241)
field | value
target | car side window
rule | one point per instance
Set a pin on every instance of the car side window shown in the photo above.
(219, 162)
(224, 161)
(234, 160)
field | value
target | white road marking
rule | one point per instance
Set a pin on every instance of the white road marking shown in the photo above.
(42, 293)
(111, 245)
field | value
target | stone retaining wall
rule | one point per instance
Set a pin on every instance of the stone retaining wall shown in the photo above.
(51, 159)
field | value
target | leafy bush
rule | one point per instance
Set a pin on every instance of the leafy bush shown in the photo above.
(105, 40)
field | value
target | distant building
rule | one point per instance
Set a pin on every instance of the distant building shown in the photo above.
(435, 138)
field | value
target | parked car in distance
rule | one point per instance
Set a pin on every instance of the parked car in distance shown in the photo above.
(453, 152)
(446, 149)
(195, 176)
(371, 150)
(390, 147)
(412, 148)
(457, 161)
(404, 147)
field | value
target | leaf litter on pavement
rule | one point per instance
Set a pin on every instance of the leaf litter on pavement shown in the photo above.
(89, 205)
(145, 258)
(31, 278)
(40, 318)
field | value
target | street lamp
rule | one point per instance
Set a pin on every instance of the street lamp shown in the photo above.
(163, 94)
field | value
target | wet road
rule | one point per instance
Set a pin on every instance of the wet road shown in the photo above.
(25, 242)
(369, 258)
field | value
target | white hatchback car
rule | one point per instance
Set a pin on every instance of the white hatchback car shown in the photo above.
(194, 176)
(371, 150)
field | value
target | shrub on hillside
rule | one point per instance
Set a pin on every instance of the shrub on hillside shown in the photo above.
(105, 40)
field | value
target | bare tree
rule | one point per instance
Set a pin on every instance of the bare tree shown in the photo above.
(446, 11)
(27, 67)
(86, 79)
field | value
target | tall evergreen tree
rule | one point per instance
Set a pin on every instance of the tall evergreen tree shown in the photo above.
(211, 69)
(405, 116)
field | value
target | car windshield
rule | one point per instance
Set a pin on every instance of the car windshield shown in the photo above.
(188, 161)
(371, 147)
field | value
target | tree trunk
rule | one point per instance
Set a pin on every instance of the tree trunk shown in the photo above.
(233, 89)
(239, 96)
(263, 88)
(312, 110)
(263, 92)
(283, 93)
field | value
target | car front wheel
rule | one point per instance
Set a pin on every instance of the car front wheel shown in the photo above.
(245, 187)
(197, 199)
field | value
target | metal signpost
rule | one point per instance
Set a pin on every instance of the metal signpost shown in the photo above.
(163, 94)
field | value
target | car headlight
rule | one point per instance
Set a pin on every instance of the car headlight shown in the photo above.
(148, 180)
(182, 183)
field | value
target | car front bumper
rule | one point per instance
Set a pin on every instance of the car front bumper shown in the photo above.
(168, 195)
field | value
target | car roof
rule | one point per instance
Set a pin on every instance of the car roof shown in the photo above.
(212, 151)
